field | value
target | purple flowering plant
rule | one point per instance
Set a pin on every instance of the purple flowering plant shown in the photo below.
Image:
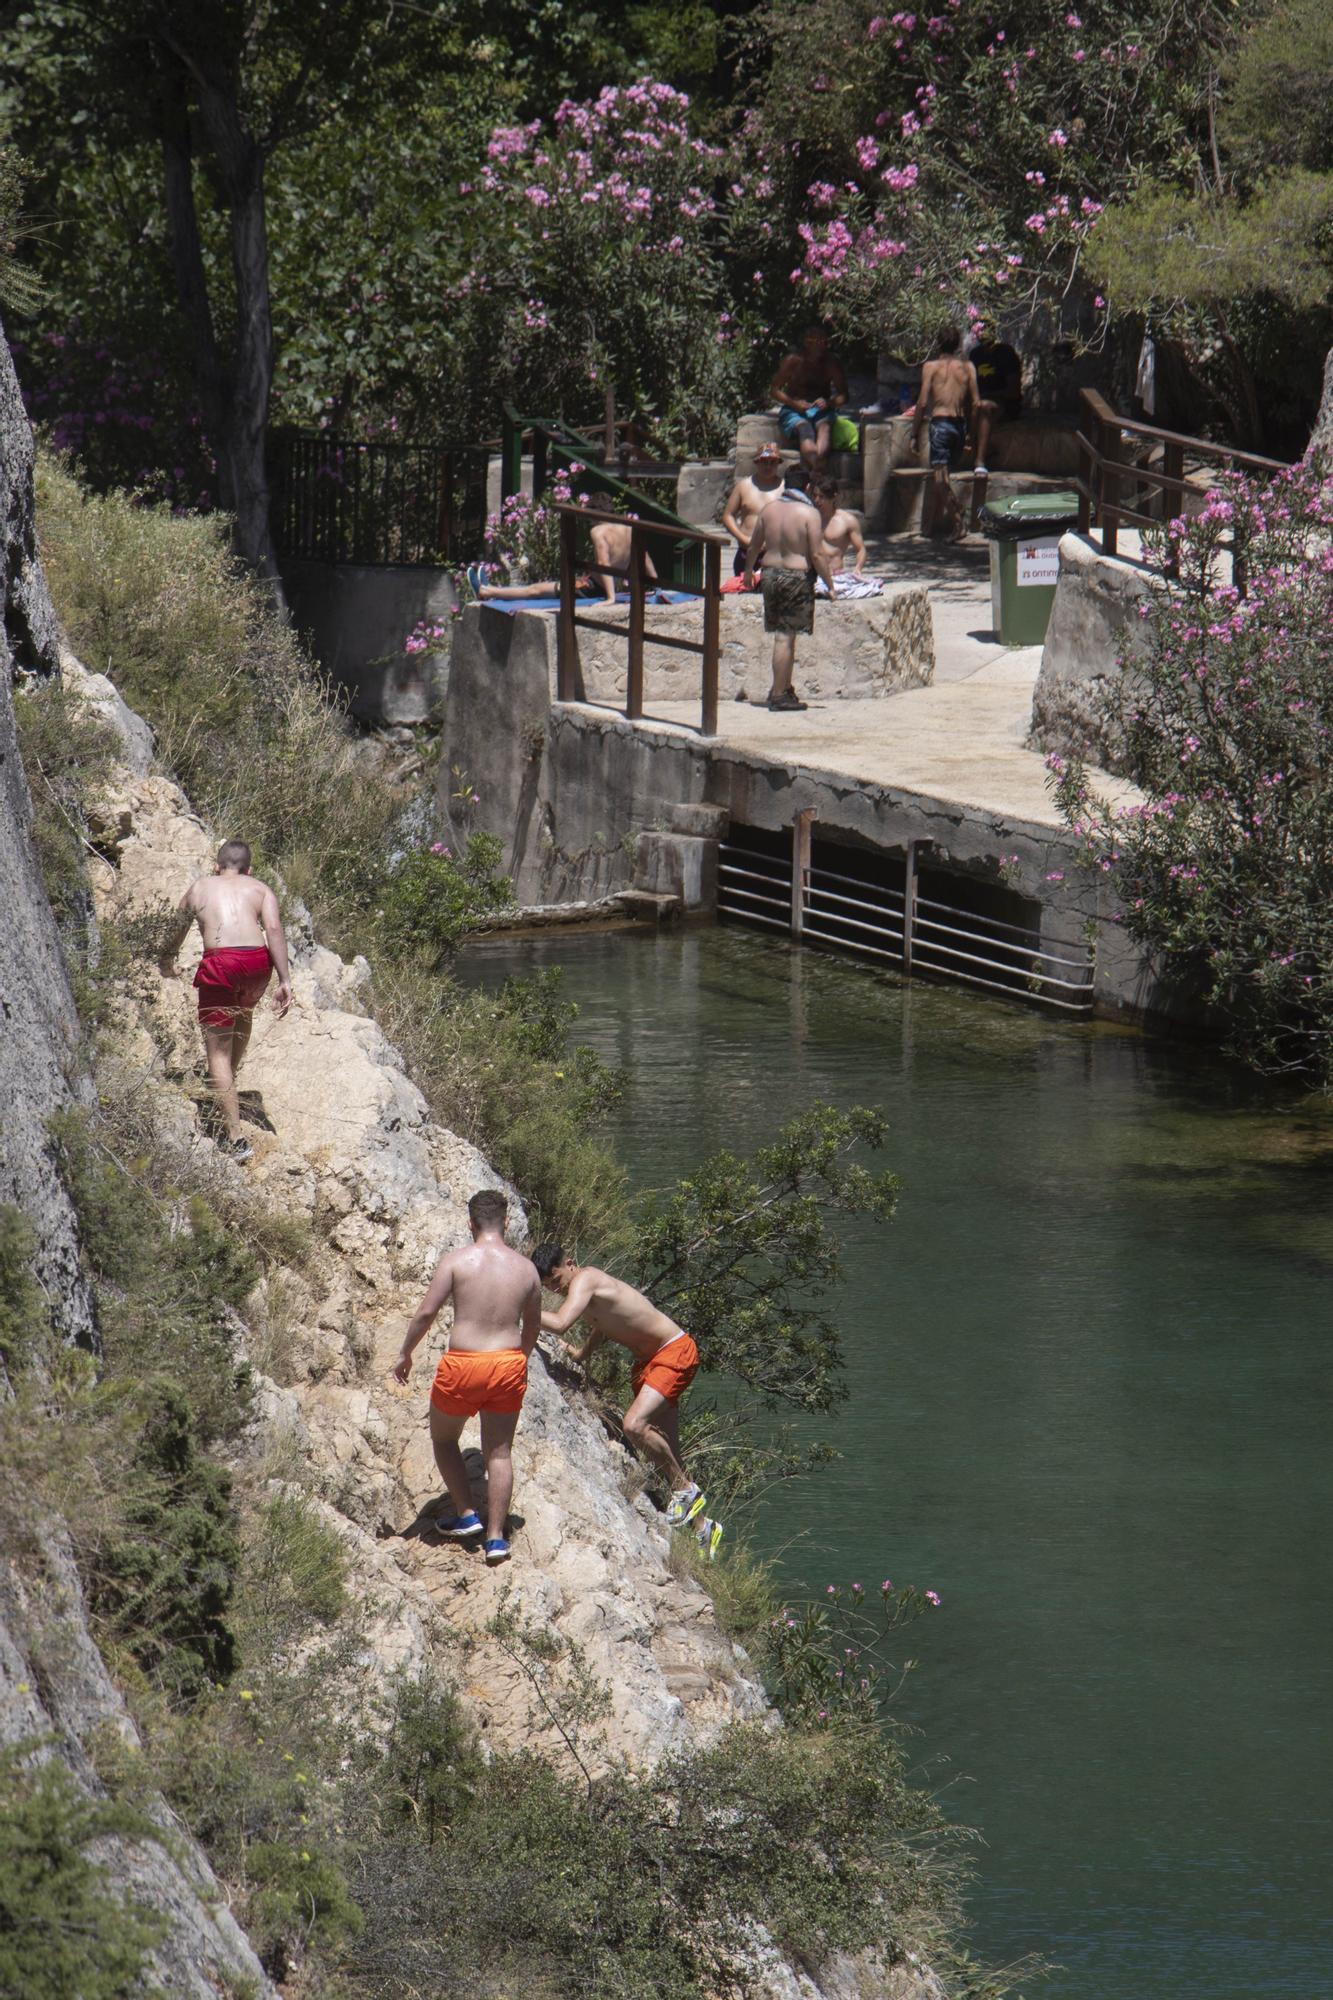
(827, 1662)
(1223, 872)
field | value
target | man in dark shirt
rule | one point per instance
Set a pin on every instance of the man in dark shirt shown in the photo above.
(1000, 386)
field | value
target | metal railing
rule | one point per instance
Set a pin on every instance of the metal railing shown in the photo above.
(554, 444)
(569, 671)
(1111, 484)
(804, 897)
(344, 500)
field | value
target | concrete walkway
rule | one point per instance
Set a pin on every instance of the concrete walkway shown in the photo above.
(961, 739)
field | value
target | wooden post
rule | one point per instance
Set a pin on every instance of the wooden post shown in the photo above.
(511, 457)
(712, 634)
(800, 865)
(539, 463)
(610, 426)
(567, 675)
(1112, 452)
(909, 903)
(634, 678)
(1173, 503)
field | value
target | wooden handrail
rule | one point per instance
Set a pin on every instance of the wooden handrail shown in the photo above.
(1202, 447)
(569, 675)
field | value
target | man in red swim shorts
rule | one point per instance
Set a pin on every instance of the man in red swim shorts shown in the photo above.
(484, 1372)
(243, 946)
(666, 1361)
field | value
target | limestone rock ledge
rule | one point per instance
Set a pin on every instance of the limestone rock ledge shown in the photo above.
(353, 1150)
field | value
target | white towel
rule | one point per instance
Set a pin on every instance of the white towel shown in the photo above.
(846, 583)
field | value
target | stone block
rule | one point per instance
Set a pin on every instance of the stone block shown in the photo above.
(704, 822)
(1094, 624)
(678, 864)
(702, 489)
(866, 648)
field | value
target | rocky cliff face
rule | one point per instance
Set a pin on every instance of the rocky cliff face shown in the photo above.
(38, 1025)
(55, 1691)
(353, 1150)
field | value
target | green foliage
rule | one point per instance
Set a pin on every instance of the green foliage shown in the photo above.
(634, 1887)
(1277, 104)
(431, 899)
(64, 1929)
(298, 1899)
(295, 1571)
(67, 753)
(163, 1577)
(24, 1319)
(1168, 248)
(741, 1252)
(1224, 875)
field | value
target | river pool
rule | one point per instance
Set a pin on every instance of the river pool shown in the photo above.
(1090, 1365)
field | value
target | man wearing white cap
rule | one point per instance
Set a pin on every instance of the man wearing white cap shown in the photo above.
(748, 499)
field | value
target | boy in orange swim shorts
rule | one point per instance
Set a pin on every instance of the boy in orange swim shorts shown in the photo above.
(497, 1314)
(666, 1361)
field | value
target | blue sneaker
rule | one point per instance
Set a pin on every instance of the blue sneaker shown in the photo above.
(477, 574)
(497, 1551)
(463, 1528)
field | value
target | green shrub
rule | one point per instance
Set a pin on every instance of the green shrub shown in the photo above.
(298, 1900)
(432, 898)
(64, 1929)
(295, 1571)
(24, 1320)
(162, 1578)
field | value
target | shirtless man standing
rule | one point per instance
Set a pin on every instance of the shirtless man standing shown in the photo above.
(811, 388)
(497, 1315)
(788, 538)
(748, 499)
(243, 946)
(666, 1359)
(948, 397)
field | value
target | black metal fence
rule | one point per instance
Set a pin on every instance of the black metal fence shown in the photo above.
(339, 500)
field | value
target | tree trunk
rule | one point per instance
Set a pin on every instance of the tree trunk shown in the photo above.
(235, 399)
(1320, 447)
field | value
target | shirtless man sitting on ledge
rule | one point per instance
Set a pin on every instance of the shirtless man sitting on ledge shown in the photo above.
(666, 1362)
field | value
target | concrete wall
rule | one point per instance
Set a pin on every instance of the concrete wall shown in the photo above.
(355, 618)
(570, 789)
(1094, 625)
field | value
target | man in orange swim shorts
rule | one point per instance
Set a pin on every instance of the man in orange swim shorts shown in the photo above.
(484, 1372)
(666, 1362)
(244, 946)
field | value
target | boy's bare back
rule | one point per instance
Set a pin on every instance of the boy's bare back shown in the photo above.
(233, 911)
(496, 1298)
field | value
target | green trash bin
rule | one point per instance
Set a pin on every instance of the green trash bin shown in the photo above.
(1024, 535)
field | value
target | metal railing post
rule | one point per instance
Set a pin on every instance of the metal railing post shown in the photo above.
(800, 865)
(712, 635)
(567, 639)
(909, 903)
(634, 676)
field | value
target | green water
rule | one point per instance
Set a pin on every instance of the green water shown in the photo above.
(1090, 1367)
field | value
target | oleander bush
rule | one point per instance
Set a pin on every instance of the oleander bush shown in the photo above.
(1223, 875)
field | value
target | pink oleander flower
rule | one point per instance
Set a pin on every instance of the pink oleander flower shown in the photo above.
(933, 1597)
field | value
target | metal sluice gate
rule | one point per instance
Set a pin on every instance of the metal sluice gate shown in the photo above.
(894, 910)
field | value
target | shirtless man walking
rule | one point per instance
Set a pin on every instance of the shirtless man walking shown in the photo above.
(243, 946)
(948, 397)
(788, 539)
(666, 1361)
(497, 1307)
(748, 499)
